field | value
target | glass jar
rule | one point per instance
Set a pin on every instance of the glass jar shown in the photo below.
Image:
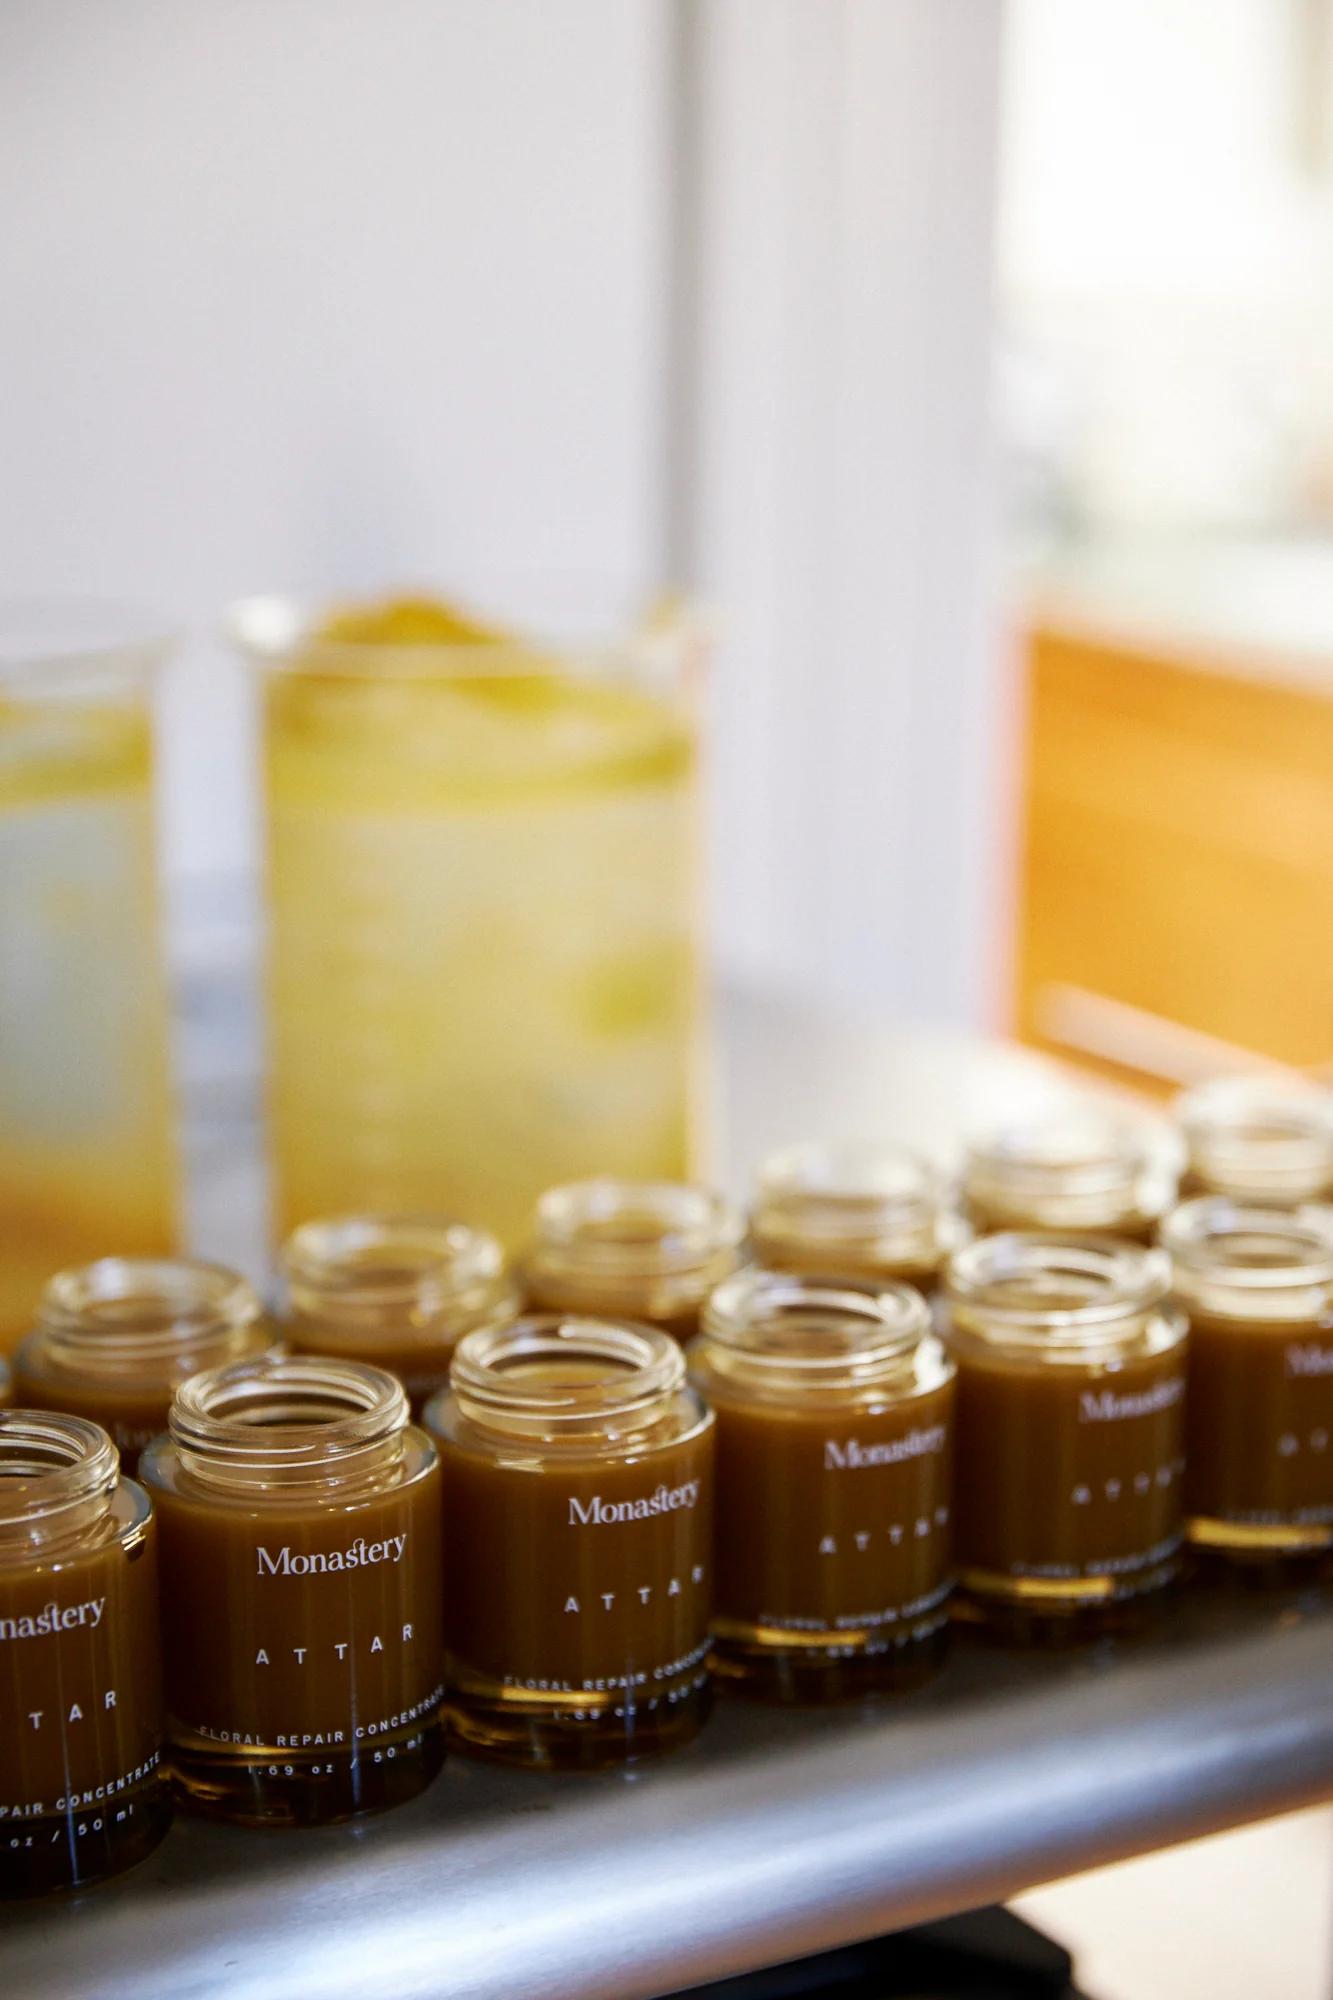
(398, 1291)
(852, 1211)
(87, 1147)
(1257, 1286)
(1258, 1139)
(81, 1788)
(484, 961)
(1076, 1173)
(1071, 1390)
(646, 1250)
(114, 1340)
(299, 1515)
(578, 1484)
(834, 1413)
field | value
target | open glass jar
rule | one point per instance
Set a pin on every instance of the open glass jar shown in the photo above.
(1070, 1437)
(81, 1689)
(578, 1482)
(646, 1250)
(1257, 1286)
(853, 1211)
(1078, 1173)
(1258, 1139)
(398, 1291)
(299, 1517)
(114, 1340)
(834, 1413)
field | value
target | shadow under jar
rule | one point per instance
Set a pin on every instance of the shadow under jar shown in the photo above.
(1071, 1390)
(1077, 1173)
(82, 1794)
(852, 1211)
(299, 1516)
(644, 1250)
(578, 1481)
(1257, 1286)
(398, 1291)
(1258, 1139)
(834, 1414)
(114, 1340)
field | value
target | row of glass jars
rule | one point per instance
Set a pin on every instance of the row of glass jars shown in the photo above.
(853, 1464)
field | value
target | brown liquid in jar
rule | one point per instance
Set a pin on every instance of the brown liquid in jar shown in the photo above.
(1075, 1173)
(82, 1793)
(1258, 1139)
(396, 1291)
(834, 1414)
(578, 1469)
(300, 1535)
(642, 1250)
(113, 1340)
(862, 1212)
(1070, 1438)
(1257, 1285)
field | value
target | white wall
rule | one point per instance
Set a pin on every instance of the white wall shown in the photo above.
(333, 292)
(323, 292)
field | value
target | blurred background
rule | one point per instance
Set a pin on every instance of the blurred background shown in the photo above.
(970, 363)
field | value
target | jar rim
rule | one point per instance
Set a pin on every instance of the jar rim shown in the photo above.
(1249, 1247)
(864, 1328)
(487, 1373)
(645, 1227)
(439, 1259)
(1258, 1128)
(50, 1462)
(845, 1189)
(188, 1305)
(1054, 1287)
(1083, 1150)
(286, 1413)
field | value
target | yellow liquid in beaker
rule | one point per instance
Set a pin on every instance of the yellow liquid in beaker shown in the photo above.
(483, 968)
(87, 1164)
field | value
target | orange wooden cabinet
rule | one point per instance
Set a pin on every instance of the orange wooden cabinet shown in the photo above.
(1176, 858)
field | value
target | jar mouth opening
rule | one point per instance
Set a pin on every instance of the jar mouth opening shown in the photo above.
(49, 1462)
(1054, 1288)
(1259, 1129)
(287, 1411)
(122, 1311)
(1251, 1248)
(1082, 1152)
(419, 1261)
(555, 1367)
(640, 1227)
(815, 1328)
(850, 1188)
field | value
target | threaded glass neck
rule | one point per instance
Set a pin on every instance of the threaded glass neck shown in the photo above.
(146, 1316)
(863, 1199)
(1260, 1138)
(552, 1376)
(413, 1274)
(290, 1421)
(58, 1476)
(1076, 1170)
(1040, 1291)
(661, 1244)
(1252, 1262)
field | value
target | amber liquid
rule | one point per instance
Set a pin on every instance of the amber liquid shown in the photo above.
(834, 1545)
(1066, 1503)
(1259, 1451)
(421, 1366)
(298, 1692)
(1128, 1226)
(545, 1294)
(132, 1416)
(831, 1261)
(82, 1792)
(576, 1637)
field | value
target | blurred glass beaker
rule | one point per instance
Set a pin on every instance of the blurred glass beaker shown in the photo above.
(87, 1143)
(483, 911)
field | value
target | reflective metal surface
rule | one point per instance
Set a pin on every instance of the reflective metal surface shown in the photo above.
(776, 1834)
